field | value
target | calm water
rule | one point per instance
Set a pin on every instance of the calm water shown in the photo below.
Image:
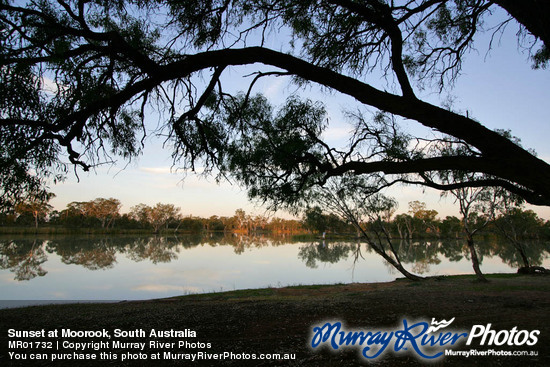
(130, 268)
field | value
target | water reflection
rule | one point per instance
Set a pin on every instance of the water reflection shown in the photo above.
(421, 254)
(26, 258)
(321, 252)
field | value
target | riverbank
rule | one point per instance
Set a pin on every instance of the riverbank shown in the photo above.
(60, 230)
(280, 320)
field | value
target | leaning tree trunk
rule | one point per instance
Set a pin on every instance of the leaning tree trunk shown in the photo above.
(395, 264)
(380, 251)
(475, 259)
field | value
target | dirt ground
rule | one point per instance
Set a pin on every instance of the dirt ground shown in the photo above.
(280, 320)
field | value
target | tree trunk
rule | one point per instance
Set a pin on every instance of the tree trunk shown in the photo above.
(475, 260)
(380, 251)
(524, 258)
(400, 231)
(397, 265)
(409, 230)
(393, 262)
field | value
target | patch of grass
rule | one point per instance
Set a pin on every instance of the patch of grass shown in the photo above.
(260, 293)
(236, 294)
(315, 286)
(355, 294)
(473, 276)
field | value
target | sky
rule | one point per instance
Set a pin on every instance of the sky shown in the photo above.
(497, 87)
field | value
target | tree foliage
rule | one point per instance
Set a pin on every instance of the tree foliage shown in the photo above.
(157, 216)
(35, 208)
(84, 213)
(79, 79)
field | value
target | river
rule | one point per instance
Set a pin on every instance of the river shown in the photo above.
(71, 268)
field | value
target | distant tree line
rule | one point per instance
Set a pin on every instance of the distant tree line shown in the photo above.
(105, 214)
(420, 222)
(373, 220)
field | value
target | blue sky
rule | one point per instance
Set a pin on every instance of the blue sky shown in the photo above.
(499, 88)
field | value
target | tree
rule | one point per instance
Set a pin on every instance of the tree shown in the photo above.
(450, 227)
(260, 223)
(191, 224)
(214, 223)
(94, 213)
(315, 220)
(404, 222)
(477, 208)
(158, 216)
(79, 77)
(162, 214)
(423, 219)
(140, 213)
(38, 209)
(517, 225)
(106, 210)
(241, 220)
(357, 202)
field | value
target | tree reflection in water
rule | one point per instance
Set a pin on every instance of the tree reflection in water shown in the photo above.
(422, 254)
(26, 257)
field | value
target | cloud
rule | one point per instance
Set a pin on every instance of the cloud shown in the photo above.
(157, 170)
(274, 90)
(337, 133)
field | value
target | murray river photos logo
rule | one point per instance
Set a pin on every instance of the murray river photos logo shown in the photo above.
(427, 341)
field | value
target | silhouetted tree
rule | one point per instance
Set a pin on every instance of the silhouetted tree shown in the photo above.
(78, 79)
(357, 202)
